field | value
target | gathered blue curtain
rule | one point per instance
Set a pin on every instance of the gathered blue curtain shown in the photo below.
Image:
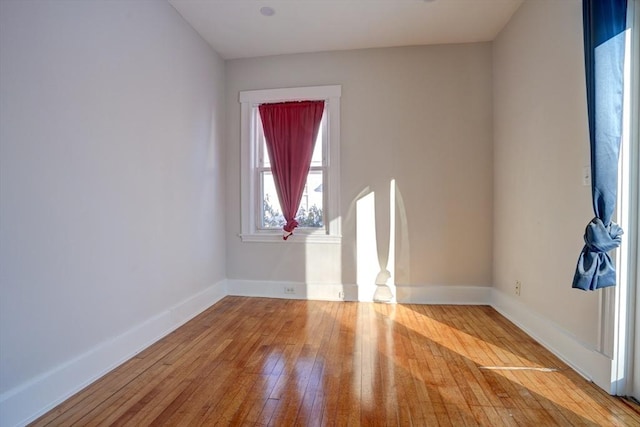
(604, 44)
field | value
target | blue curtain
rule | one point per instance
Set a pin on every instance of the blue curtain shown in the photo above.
(604, 43)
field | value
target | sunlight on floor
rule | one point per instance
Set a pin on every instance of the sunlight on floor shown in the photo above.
(513, 364)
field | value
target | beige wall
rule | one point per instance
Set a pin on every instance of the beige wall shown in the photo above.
(540, 147)
(421, 115)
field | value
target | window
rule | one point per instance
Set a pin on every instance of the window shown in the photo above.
(310, 213)
(318, 215)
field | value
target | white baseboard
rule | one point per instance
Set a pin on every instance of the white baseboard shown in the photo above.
(472, 295)
(279, 289)
(467, 295)
(27, 402)
(588, 362)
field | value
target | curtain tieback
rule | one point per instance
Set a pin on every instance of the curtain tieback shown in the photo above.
(600, 238)
(288, 228)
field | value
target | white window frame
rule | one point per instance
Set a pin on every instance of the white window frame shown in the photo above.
(249, 165)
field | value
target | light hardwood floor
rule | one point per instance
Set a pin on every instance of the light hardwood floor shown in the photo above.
(254, 361)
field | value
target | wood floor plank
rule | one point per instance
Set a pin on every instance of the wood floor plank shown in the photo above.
(260, 362)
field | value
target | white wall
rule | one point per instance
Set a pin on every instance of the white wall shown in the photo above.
(111, 176)
(540, 147)
(421, 115)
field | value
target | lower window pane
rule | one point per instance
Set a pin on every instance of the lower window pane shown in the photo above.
(309, 214)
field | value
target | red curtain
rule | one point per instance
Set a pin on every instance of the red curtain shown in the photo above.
(290, 131)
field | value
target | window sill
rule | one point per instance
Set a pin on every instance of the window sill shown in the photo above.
(300, 237)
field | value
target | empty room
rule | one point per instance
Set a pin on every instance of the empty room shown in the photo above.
(319, 212)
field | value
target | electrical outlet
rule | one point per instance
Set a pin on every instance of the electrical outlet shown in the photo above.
(341, 295)
(289, 290)
(518, 287)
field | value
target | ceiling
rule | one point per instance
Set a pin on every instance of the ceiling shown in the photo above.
(237, 29)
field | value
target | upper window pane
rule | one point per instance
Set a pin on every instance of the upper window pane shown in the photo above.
(317, 159)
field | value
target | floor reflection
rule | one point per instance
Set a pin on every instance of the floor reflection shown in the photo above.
(252, 361)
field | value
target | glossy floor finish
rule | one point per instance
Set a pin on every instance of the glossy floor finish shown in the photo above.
(254, 361)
